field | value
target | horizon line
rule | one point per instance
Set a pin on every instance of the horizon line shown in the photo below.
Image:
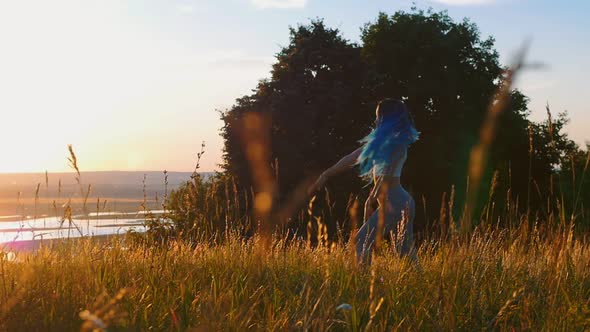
(102, 171)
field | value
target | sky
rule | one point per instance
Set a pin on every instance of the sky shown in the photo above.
(137, 84)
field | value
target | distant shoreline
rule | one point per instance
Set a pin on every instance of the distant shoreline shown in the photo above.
(34, 194)
(33, 245)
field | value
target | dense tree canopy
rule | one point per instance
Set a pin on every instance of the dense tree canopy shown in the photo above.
(323, 90)
(314, 98)
(447, 75)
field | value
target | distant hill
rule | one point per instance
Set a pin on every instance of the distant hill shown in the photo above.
(119, 184)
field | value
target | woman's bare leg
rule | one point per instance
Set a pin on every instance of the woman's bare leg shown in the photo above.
(365, 238)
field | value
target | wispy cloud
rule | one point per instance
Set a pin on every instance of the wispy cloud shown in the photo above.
(186, 8)
(465, 2)
(237, 58)
(284, 4)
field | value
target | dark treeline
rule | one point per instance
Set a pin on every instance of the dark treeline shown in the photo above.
(320, 99)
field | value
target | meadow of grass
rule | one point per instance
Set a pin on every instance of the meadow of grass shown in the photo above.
(520, 279)
(507, 272)
(532, 275)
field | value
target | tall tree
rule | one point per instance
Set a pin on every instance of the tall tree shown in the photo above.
(448, 75)
(323, 90)
(314, 100)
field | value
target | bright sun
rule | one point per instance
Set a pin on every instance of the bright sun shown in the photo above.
(84, 73)
(75, 72)
(56, 79)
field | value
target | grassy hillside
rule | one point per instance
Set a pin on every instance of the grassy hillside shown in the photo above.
(522, 279)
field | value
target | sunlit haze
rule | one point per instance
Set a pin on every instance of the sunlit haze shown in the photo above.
(135, 85)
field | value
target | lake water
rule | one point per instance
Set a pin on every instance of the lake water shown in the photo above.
(47, 228)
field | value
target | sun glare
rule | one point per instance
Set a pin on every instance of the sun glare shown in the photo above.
(82, 73)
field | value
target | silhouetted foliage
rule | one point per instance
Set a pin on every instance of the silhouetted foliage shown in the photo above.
(447, 75)
(323, 90)
(314, 97)
(203, 210)
(573, 185)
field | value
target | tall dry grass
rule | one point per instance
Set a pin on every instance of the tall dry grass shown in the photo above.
(497, 279)
(533, 275)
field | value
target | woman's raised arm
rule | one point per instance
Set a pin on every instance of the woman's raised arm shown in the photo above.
(343, 164)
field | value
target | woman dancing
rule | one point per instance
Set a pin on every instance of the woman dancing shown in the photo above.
(381, 159)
